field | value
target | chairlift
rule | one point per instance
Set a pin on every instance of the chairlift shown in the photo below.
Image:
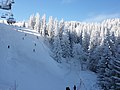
(11, 20)
(6, 5)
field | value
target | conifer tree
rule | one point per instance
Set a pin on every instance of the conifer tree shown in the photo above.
(37, 24)
(31, 22)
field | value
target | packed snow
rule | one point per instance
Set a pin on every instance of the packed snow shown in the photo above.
(25, 64)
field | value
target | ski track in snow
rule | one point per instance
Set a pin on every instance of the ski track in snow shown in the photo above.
(35, 70)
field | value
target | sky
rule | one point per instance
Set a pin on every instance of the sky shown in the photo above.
(69, 10)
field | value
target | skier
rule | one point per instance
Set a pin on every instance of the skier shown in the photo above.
(74, 87)
(8, 46)
(67, 88)
(33, 50)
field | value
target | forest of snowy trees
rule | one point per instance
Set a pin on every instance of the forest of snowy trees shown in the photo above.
(95, 45)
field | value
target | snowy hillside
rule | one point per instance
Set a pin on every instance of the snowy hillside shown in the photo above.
(25, 64)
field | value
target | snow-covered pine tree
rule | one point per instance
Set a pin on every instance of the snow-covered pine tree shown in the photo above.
(56, 46)
(116, 66)
(43, 30)
(57, 51)
(50, 26)
(116, 76)
(94, 38)
(23, 24)
(80, 55)
(65, 45)
(61, 28)
(94, 58)
(85, 38)
(37, 24)
(56, 27)
(105, 66)
(72, 33)
(108, 69)
(31, 22)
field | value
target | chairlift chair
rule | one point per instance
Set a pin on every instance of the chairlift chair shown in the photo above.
(6, 5)
(11, 20)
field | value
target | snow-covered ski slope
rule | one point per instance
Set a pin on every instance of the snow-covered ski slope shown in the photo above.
(25, 64)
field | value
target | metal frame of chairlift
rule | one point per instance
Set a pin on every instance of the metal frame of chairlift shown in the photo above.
(6, 5)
